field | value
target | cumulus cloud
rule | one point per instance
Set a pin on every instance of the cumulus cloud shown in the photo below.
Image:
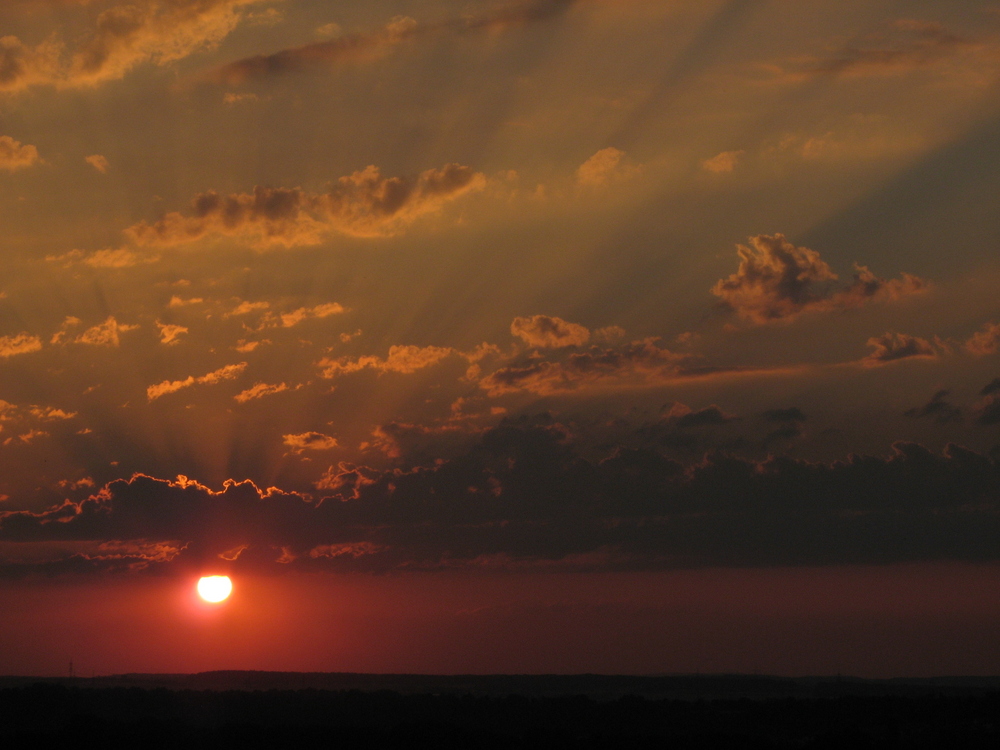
(309, 441)
(15, 155)
(229, 372)
(722, 163)
(777, 281)
(259, 390)
(891, 347)
(21, 343)
(290, 319)
(363, 204)
(985, 341)
(545, 332)
(104, 334)
(124, 36)
(98, 162)
(401, 359)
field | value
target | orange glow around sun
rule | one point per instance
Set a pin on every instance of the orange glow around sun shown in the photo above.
(215, 588)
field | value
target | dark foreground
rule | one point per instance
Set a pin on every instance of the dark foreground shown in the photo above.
(770, 714)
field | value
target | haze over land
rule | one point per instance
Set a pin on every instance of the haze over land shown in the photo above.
(559, 335)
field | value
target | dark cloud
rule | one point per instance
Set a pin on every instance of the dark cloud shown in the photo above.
(988, 411)
(777, 281)
(710, 415)
(937, 408)
(909, 45)
(791, 414)
(523, 492)
(891, 347)
(990, 388)
(372, 45)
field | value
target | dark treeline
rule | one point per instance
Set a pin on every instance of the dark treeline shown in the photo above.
(43, 714)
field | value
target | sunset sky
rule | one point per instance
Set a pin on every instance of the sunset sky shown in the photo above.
(560, 335)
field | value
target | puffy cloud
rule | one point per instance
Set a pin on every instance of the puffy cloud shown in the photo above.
(290, 319)
(603, 167)
(104, 334)
(21, 343)
(50, 413)
(98, 162)
(640, 363)
(544, 332)
(259, 390)
(777, 281)
(176, 301)
(15, 155)
(401, 359)
(229, 372)
(363, 204)
(724, 162)
(309, 441)
(124, 36)
(22, 66)
(937, 408)
(891, 347)
(170, 333)
(707, 417)
(985, 341)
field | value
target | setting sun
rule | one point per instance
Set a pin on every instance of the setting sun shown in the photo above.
(215, 588)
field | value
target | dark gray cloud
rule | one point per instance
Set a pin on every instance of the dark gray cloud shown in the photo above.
(522, 493)
(937, 408)
(372, 45)
(891, 347)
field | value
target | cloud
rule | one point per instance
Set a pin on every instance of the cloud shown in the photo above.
(124, 36)
(363, 204)
(906, 45)
(50, 413)
(21, 343)
(707, 417)
(722, 163)
(229, 372)
(791, 414)
(777, 281)
(376, 44)
(401, 359)
(99, 163)
(309, 441)
(891, 347)
(170, 333)
(990, 388)
(104, 334)
(288, 320)
(351, 48)
(638, 363)
(545, 332)
(985, 341)
(259, 390)
(524, 492)
(937, 408)
(604, 167)
(13, 154)
(121, 257)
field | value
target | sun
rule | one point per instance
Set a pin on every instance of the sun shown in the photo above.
(215, 588)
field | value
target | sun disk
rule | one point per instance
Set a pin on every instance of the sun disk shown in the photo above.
(215, 588)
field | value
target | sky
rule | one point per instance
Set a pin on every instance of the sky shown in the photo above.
(635, 336)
